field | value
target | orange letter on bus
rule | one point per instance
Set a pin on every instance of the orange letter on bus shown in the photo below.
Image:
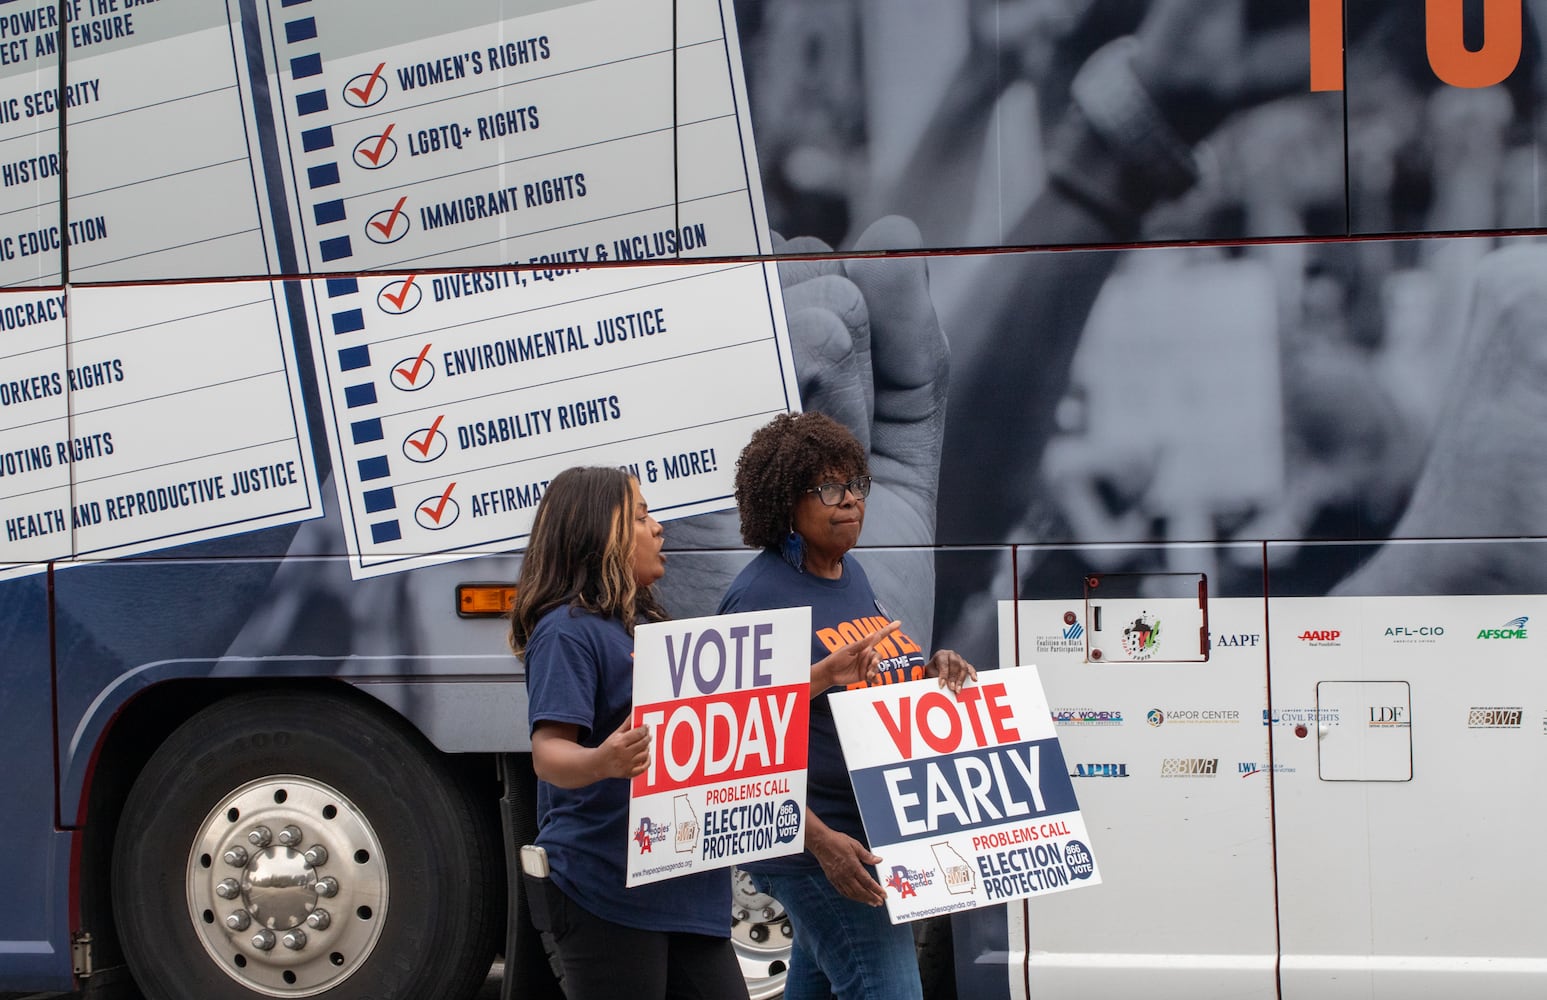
(1458, 66)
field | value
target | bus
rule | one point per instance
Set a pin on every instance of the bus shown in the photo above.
(1196, 344)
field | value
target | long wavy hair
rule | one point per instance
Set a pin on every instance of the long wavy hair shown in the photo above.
(581, 554)
(785, 457)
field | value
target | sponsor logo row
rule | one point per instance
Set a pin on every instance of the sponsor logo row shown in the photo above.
(1142, 638)
(1155, 717)
(1477, 717)
(1179, 767)
(1422, 633)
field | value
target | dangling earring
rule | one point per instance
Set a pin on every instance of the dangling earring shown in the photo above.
(794, 551)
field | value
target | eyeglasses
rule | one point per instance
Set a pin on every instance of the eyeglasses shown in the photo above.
(831, 494)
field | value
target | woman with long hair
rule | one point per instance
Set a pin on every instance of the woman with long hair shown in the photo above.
(585, 582)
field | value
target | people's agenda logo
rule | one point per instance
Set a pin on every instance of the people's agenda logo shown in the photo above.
(649, 833)
(907, 881)
(1142, 638)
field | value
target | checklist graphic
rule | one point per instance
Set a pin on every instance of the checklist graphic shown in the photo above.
(452, 195)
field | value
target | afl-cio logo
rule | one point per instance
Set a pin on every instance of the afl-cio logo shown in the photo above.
(1155, 717)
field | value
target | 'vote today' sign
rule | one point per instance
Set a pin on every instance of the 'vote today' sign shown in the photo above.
(727, 700)
(965, 797)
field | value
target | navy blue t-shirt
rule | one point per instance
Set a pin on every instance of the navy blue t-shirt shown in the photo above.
(842, 610)
(580, 670)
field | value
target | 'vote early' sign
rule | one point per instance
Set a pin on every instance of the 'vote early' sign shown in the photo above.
(965, 797)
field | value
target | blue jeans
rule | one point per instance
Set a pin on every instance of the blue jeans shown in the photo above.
(842, 948)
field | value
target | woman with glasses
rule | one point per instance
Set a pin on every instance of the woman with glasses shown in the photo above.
(801, 485)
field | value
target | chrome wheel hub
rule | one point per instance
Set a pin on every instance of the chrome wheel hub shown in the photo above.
(287, 886)
(762, 936)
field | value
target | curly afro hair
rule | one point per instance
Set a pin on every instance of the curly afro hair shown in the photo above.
(786, 457)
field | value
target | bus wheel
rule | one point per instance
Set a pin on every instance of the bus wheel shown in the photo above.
(762, 936)
(296, 845)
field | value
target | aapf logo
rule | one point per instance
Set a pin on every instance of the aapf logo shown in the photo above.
(1515, 628)
(1321, 637)
(649, 834)
(1234, 639)
(1142, 638)
(1155, 717)
(907, 880)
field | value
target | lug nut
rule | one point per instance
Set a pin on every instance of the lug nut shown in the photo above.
(263, 940)
(236, 857)
(239, 921)
(758, 933)
(316, 855)
(228, 889)
(327, 887)
(294, 940)
(319, 920)
(289, 836)
(259, 836)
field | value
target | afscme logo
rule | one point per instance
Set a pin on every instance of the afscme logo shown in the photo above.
(1515, 628)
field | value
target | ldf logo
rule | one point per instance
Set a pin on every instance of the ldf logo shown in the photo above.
(1386, 716)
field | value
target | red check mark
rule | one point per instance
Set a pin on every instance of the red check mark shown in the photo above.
(374, 155)
(429, 439)
(391, 223)
(434, 512)
(402, 294)
(370, 85)
(411, 373)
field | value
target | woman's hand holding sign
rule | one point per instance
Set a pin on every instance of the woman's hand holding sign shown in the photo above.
(561, 760)
(843, 860)
(953, 671)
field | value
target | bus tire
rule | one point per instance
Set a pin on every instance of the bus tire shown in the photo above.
(292, 844)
